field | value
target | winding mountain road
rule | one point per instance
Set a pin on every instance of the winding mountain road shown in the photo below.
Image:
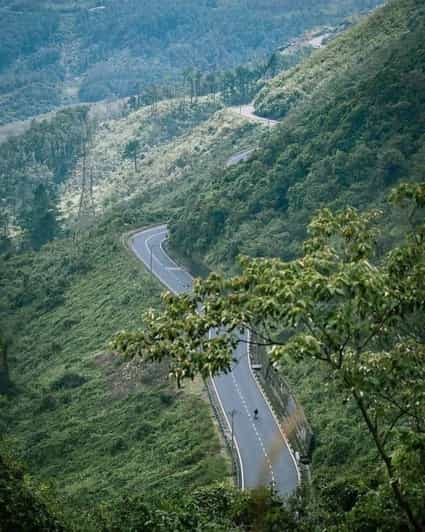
(248, 111)
(263, 454)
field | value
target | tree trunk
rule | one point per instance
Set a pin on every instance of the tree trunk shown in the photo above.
(395, 486)
(4, 369)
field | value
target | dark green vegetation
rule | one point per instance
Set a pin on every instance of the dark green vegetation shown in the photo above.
(216, 509)
(357, 313)
(79, 416)
(102, 429)
(28, 507)
(32, 167)
(23, 506)
(35, 165)
(348, 143)
(367, 38)
(56, 53)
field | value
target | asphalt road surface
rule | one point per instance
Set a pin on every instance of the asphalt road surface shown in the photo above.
(263, 454)
(248, 111)
(241, 156)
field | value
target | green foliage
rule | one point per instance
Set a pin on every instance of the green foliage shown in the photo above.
(283, 92)
(343, 305)
(99, 430)
(5, 384)
(54, 53)
(40, 223)
(213, 509)
(131, 151)
(68, 381)
(32, 167)
(355, 136)
(24, 506)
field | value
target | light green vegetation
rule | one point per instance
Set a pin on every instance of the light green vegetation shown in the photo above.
(96, 426)
(178, 142)
(353, 305)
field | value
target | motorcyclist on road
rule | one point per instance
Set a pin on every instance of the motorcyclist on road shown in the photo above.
(256, 413)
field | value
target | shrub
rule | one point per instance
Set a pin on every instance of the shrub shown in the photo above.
(68, 381)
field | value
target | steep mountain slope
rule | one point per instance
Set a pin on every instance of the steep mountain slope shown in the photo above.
(355, 136)
(177, 142)
(98, 427)
(102, 429)
(285, 91)
(55, 53)
(95, 426)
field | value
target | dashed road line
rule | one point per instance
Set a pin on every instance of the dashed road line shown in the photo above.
(259, 438)
(175, 267)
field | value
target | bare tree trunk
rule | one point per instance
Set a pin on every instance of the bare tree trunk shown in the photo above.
(4, 369)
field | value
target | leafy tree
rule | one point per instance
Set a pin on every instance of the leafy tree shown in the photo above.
(359, 314)
(40, 222)
(131, 151)
(23, 506)
(45, 153)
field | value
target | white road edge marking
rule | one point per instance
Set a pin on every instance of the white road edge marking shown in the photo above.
(162, 281)
(230, 429)
(273, 413)
(215, 387)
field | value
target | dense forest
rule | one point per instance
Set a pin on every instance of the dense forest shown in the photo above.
(57, 53)
(109, 442)
(348, 142)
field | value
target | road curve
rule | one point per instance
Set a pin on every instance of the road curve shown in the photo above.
(248, 111)
(264, 456)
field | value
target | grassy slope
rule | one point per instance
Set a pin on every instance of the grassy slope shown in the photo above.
(178, 142)
(99, 428)
(96, 427)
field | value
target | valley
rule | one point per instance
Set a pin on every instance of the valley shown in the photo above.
(288, 180)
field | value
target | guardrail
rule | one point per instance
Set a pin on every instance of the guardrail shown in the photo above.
(224, 429)
(289, 412)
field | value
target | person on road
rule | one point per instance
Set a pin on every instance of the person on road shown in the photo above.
(256, 413)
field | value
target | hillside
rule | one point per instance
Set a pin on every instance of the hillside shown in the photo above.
(45, 169)
(367, 38)
(355, 137)
(95, 425)
(57, 53)
(69, 389)
(178, 143)
(122, 445)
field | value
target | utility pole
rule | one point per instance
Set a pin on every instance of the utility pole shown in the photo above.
(150, 247)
